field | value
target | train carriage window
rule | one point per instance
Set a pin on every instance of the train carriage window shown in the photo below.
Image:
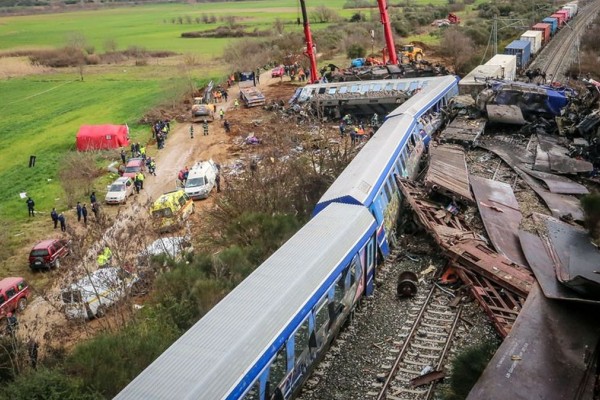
(401, 86)
(412, 142)
(254, 393)
(364, 89)
(377, 87)
(413, 85)
(343, 89)
(322, 315)
(388, 192)
(353, 270)
(278, 370)
(340, 288)
(322, 90)
(354, 89)
(301, 340)
(392, 184)
(389, 86)
(331, 90)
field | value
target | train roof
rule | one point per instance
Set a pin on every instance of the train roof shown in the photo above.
(362, 178)
(245, 329)
(422, 101)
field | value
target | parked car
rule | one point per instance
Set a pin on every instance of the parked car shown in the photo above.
(119, 191)
(14, 293)
(47, 254)
(134, 165)
(277, 72)
(201, 180)
(92, 295)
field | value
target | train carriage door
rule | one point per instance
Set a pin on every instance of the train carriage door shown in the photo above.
(370, 267)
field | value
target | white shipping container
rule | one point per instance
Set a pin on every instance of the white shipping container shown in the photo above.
(574, 5)
(568, 10)
(535, 38)
(474, 81)
(571, 10)
(508, 63)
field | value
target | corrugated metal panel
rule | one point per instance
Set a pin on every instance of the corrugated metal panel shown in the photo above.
(363, 176)
(478, 75)
(209, 359)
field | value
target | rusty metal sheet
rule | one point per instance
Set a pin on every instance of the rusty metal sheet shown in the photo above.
(549, 354)
(477, 257)
(556, 183)
(567, 165)
(543, 267)
(518, 156)
(501, 216)
(560, 205)
(463, 130)
(542, 160)
(578, 265)
(447, 172)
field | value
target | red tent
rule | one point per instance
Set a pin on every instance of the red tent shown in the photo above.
(99, 137)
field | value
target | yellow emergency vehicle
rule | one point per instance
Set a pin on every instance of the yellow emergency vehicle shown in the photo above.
(171, 209)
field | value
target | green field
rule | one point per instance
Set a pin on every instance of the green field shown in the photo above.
(42, 113)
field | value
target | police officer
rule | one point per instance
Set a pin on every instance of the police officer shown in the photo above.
(191, 131)
(30, 206)
(54, 216)
(140, 177)
(205, 128)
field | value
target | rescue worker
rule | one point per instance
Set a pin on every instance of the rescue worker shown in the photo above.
(222, 113)
(191, 131)
(236, 104)
(140, 177)
(30, 206)
(63, 223)
(205, 128)
(54, 216)
(78, 210)
(152, 167)
(102, 260)
(143, 152)
(124, 156)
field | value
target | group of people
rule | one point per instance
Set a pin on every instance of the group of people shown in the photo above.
(296, 71)
(59, 218)
(160, 131)
(183, 175)
(137, 150)
(220, 94)
(357, 131)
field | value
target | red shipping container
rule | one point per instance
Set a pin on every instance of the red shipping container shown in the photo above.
(560, 17)
(565, 13)
(545, 28)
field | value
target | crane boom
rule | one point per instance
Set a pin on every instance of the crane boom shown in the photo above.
(310, 52)
(387, 29)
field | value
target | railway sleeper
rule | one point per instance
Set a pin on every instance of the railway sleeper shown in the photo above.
(411, 372)
(430, 356)
(443, 324)
(422, 339)
(418, 346)
(445, 313)
(413, 362)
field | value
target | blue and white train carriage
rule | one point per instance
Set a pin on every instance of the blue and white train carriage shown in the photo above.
(262, 340)
(394, 150)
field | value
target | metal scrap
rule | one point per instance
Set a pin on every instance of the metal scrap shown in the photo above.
(447, 172)
(501, 217)
(553, 341)
(463, 130)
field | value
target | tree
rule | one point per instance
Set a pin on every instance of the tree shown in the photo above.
(356, 51)
(323, 14)
(458, 47)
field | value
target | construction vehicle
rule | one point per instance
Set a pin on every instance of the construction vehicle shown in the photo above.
(203, 107)
(250, 95)
(310, 47)
(411, 52)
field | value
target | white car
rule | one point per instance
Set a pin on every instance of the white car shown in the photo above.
(119, 191)
(201, 180)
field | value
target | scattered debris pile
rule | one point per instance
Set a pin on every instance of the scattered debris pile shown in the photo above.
(516, 258)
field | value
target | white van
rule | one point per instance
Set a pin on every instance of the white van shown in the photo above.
(91, 296)
(201, 180)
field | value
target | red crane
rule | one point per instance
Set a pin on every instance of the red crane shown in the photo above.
(387, 29)
(310, 50)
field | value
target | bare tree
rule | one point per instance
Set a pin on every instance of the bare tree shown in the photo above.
(458, 47)
(278, 26)
(323, 14)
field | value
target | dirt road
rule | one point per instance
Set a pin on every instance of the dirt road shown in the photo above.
(42, 319)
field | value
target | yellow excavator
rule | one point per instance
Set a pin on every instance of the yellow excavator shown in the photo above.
(412, 52)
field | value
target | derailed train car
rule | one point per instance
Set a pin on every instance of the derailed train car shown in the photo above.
(264, 338)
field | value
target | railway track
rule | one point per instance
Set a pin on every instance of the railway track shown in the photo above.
(422, 345)
(563, 45)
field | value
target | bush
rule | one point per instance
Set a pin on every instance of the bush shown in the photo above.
(48, 385)
(466, 369)
(111, 360)
(356, 51)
